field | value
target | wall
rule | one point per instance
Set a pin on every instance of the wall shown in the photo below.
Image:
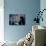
(43, 6)
(27, 7)
(1, 20)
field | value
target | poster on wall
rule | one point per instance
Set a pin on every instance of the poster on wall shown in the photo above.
(16, 19)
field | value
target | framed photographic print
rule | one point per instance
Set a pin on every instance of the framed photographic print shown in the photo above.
(16, 19)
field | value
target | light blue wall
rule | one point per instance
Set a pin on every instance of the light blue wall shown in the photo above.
(27, 7)
(43, 6)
